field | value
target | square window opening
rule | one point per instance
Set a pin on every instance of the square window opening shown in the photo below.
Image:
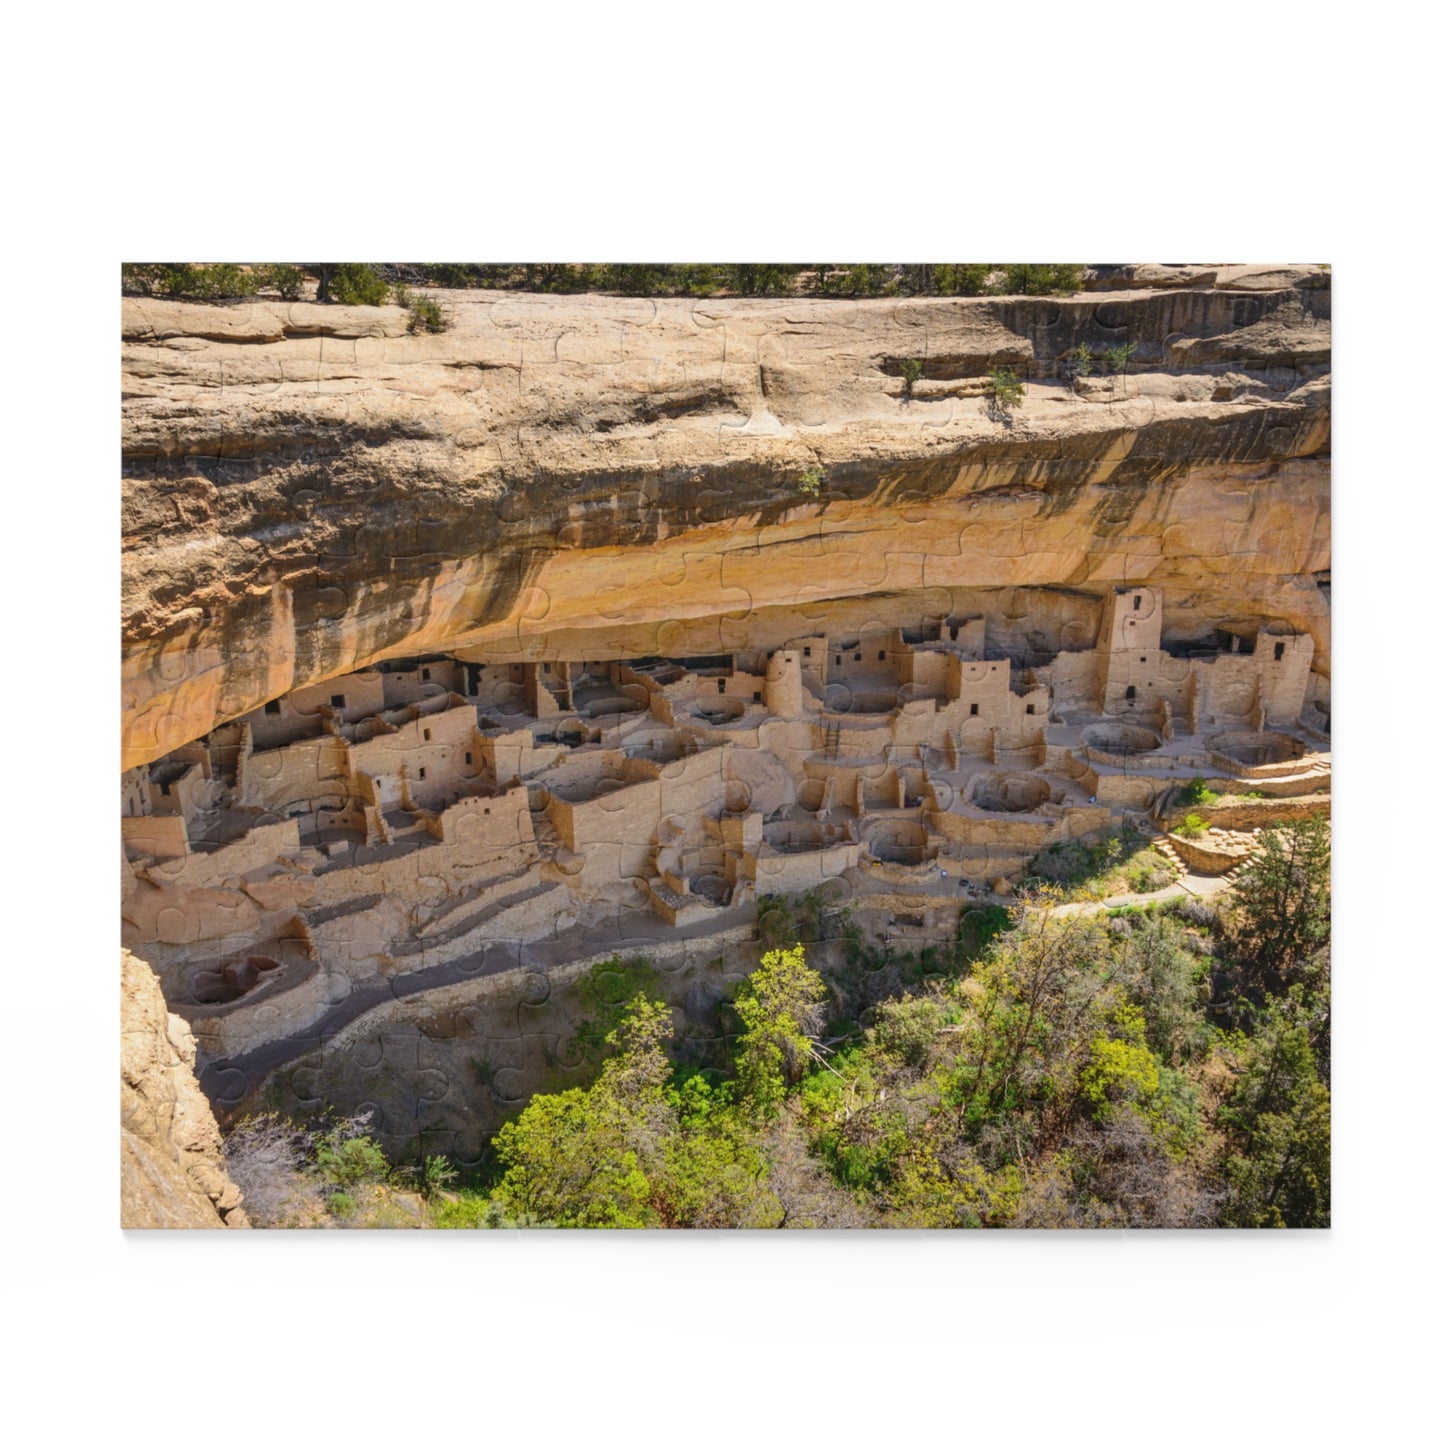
(272, 708)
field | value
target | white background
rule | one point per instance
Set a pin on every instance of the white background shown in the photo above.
(771, 132)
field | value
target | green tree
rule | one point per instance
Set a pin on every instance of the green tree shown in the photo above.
(638, 1148)
(961, 278)
(714, 1174)
(1004, 391)
(605, 993)
(1120, 1067)
(1283, 901)
(583, 1157)
(780, 1005)
(1116, 358)
(1049, 279)
(353, 283)
(1166, 982)
(753, 279)
(1278, 1117)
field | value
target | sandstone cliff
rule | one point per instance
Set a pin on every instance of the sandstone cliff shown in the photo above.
(310, 489)
(172, 1173)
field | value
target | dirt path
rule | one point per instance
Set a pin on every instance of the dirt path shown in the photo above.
(227, 1081)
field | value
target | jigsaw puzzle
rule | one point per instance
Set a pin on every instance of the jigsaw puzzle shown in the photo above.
(732, 746)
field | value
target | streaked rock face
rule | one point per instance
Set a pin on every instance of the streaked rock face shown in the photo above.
(172, 1174)
(310, 489)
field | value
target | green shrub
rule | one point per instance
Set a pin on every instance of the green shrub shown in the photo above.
(1192, 827)
(1147, 872)
(286, 280)
(356, 284)
(956, 279)
(604, 993)
(182, 280)
(468, 1209)
(812, 480)
(344, 1158)
(1004, 390)
(221, 282)
(977, 926)
(436, 1174)
(865, 280)
(910, 370)
(1116, 358)
(140, 278)
(1196, 793)
(761, 280)
(1052, 279)
(426, 315)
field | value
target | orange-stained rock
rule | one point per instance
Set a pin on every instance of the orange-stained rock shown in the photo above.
(309, 489)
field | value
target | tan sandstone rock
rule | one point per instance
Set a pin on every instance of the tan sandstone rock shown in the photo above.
(173, 1174)
(308, 490)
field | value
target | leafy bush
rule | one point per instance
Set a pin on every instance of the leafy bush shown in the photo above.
(1197, 912)
(1196, 794)
(141, 278)
(424, 312)
(286, 280)
(606, 991)
(184, 281)
(1116, 358)
(977, 926)
(812, 480)
(761, 280)
(1192, 827)
(1004, 390)
(1052, 279)
(354, 284)
(1147, 872)
(780, 1006)
(956, 279)
(345, 1158)
(911, 370)
(904, 1028)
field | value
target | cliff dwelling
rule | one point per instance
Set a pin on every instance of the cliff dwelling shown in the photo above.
(590, 627)
(428, 812)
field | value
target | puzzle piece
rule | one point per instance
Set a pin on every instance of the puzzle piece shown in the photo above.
(596, 626)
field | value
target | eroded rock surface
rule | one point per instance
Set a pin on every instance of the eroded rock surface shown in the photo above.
(172, 1173)
(309, 490)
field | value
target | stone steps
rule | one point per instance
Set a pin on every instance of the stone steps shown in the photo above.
(1159, 841)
